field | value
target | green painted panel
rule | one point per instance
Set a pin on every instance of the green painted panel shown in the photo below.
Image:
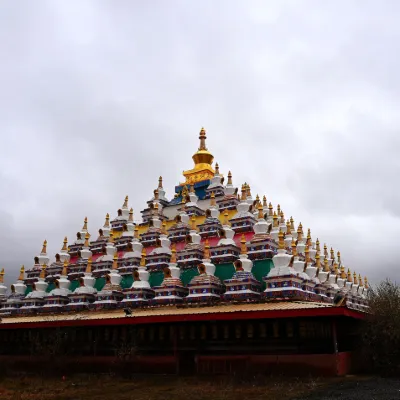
(50, 287)
(224, 271)
(127, 281)
(188, 274)
(74, 285)
(100, 282)
(156, 278)
(261, 269)
(28, 290)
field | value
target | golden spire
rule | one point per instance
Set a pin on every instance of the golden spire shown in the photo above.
(265, 204)
(143, 259)
(307, 253)
(300, 232)
(156, 194)
(317, 245)
(202, 138)
(173, 254)
(87, 236)
(349, 278)
(248, 190)
(282, 221)
(111, 238)
(281, 241)
(164, 228)
(338, 257)
(243, 247)
(257, 198)
(294, 248)
(115, 261)
(43, 272)
(366, 282)
(260, 211)
(317, 260)
(130, 219)
(342, 272)
(156, 207)
(226, 220)
(275, 218)
(355, 280)
(326, 265)
(193, 221)
(136, 232)
(2, 276)
(216, 169)
(278, 209)
(332, 254)
(21, 274)
(270, 209)
(360, 279)
(160, 182)
(292, 224)
(335, 268)
(107, 221)
(84, 228)
(44, 248)
(125, 205)
(229, 178)
(207, 255)
(89, 265)
(288, 228)
(65, 268)
(213, 203)
(309, 235)
(244, 193)
(325, 250)
(65, 244)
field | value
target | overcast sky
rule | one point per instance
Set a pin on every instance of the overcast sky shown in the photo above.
(299, 98)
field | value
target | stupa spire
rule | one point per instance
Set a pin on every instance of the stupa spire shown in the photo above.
(65, 244)
(243, 247)
(229, 178)
(2, 276)
(21, 274)
(160, 182)
(85, 222)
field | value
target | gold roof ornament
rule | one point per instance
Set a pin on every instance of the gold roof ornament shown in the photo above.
(125, 205)
(366, 282)
(360, 279)
(326, 265)
(309, 236)
(355, 280)
(2, 276)
(115, 261)
(332, 254)
(87, 236)
(213, 203)
(248, 190)
(156, 208)
(44, 248)
(292, 224)
(278, 209)
(342, 272)
(21, 273)
(207, 255)
(282, 221)
(143, 259)
(160, 183)
(294, 248)
(164, 228)
(270, 209)
(325, 250)
(43, 272)
(193, 221)
(107, 221)
(349, 277)
(300, 232)
(173, 254)
(244, 193)
(65, 244)
(216, 169)
(84, 228)
(226, 220)
(257, 198)
(65, 268)
(288, 228)
(281, 241)
(260, 211)
(318, 260)
(307, 253)
(130, 219)
(89, 265)
(243, 247)
(136, 232)
(156, 194)
(338, 257)
(229, 178)
(317, 245)
(265, 204)
(335, 268)
(275, 220)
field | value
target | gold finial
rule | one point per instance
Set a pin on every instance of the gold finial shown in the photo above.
(65, 244)
(173, 254)
(260, 211)
(275, 218)
(160, 182)
(136, 232)
(87, 236)
(309, 235)
(342, 272)
(115, 260)
(366, 282)
(288, 228)
(282, 221)
(44, 248)
(226, 220)
(281, 241)
(317, 245)
(156, 207)
(355, 280)
(89, 265)
(294, 248)
(258, 199)
(229, 178)
(107, 221)
(244, 192)
(21, 274)
(243, 247)
(202, 138)
(265, 204)
(325, 250)
(207, 254)
(307, 254)
(360, 279)
(216, 169)
(43, 272)
(156, 197)
(335, 268)
(300, 232)
(130, 219)
(317, 260)
(125, 205)
(270, 209)
(349, 278)
(193, 221)
(84, 228)
(143, 259)
(326, 265)
(338, 257)
(2, 276)
(164, 228)
(278, 209)
(65, 268)
(111, 238)
(292, 223)
(332, 254)
(213, 203)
